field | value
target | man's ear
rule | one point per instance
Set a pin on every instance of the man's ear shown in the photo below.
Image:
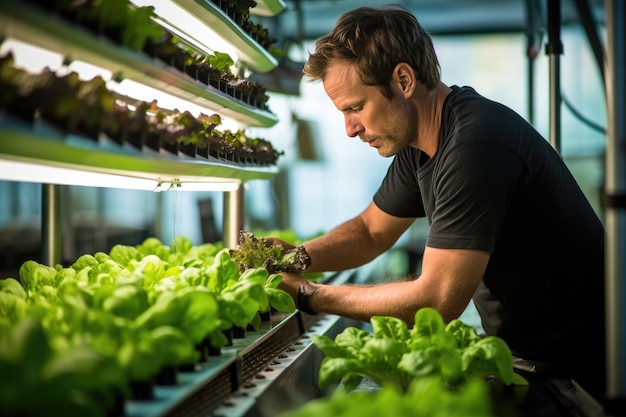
(404, 76)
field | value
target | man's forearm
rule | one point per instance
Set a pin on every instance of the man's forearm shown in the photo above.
(347, 246)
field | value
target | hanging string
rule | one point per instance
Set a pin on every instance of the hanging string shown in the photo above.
(177, 208)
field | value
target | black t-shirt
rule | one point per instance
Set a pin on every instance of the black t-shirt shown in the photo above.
(496, 184)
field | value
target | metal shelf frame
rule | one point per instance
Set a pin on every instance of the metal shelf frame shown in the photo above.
(253, 55)
(200, 390)
(22, 144)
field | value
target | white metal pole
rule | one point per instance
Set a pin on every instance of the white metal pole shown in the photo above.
(51, 224)
(233, 216)
(554, 48)
(615, 210)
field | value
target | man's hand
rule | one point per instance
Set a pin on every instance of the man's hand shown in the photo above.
(274, 241)
(291, 283)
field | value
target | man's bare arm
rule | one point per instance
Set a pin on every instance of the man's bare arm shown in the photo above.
(356, 241)
(448, 281)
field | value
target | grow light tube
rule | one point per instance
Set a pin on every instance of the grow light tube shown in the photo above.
(167, 101)
(46, 174)
(29, 57)
(187, 26)
(35, 59)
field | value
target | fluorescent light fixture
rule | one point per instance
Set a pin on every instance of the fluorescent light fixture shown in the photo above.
(164, 100)
(34, 59)
(146, 93)
(179, 21)
(30, 57)
(87, 71)
(45, 174)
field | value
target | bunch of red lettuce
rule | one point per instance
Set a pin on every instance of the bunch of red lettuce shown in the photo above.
(257, 252)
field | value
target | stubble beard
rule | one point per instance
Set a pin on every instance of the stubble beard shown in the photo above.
(397, 134)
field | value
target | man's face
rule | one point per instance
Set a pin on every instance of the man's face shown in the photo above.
(387, 125)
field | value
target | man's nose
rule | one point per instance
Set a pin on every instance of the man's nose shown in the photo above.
(353, 127)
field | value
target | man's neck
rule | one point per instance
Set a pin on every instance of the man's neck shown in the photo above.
(430, 110)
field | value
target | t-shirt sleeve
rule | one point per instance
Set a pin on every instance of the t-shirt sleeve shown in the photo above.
(399, 193)
(475, 185)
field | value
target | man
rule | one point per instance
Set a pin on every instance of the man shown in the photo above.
(509, 226)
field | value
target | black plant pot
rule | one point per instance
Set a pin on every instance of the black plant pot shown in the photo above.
(188, 150)
(229, 336)
(202, 348)
(171, 147)
(203, 152)
(167, 376)
(192, 71)
(214, 351)
(117, 409)
(239, 332)
(266, 315)
(142, 390)
(135, 138)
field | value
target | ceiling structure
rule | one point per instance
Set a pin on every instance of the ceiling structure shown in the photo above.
(303, 21)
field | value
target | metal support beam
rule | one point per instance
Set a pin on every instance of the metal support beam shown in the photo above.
(554, 48)
(233, 216)
(615, 214)
(51, 224)
(534, 35)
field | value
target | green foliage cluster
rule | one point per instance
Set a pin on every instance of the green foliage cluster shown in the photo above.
(130, 26)
(76, 337)
(393, 354)
(431, 370)
(425, 397)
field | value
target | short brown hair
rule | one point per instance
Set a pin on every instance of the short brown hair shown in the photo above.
(375, 40)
